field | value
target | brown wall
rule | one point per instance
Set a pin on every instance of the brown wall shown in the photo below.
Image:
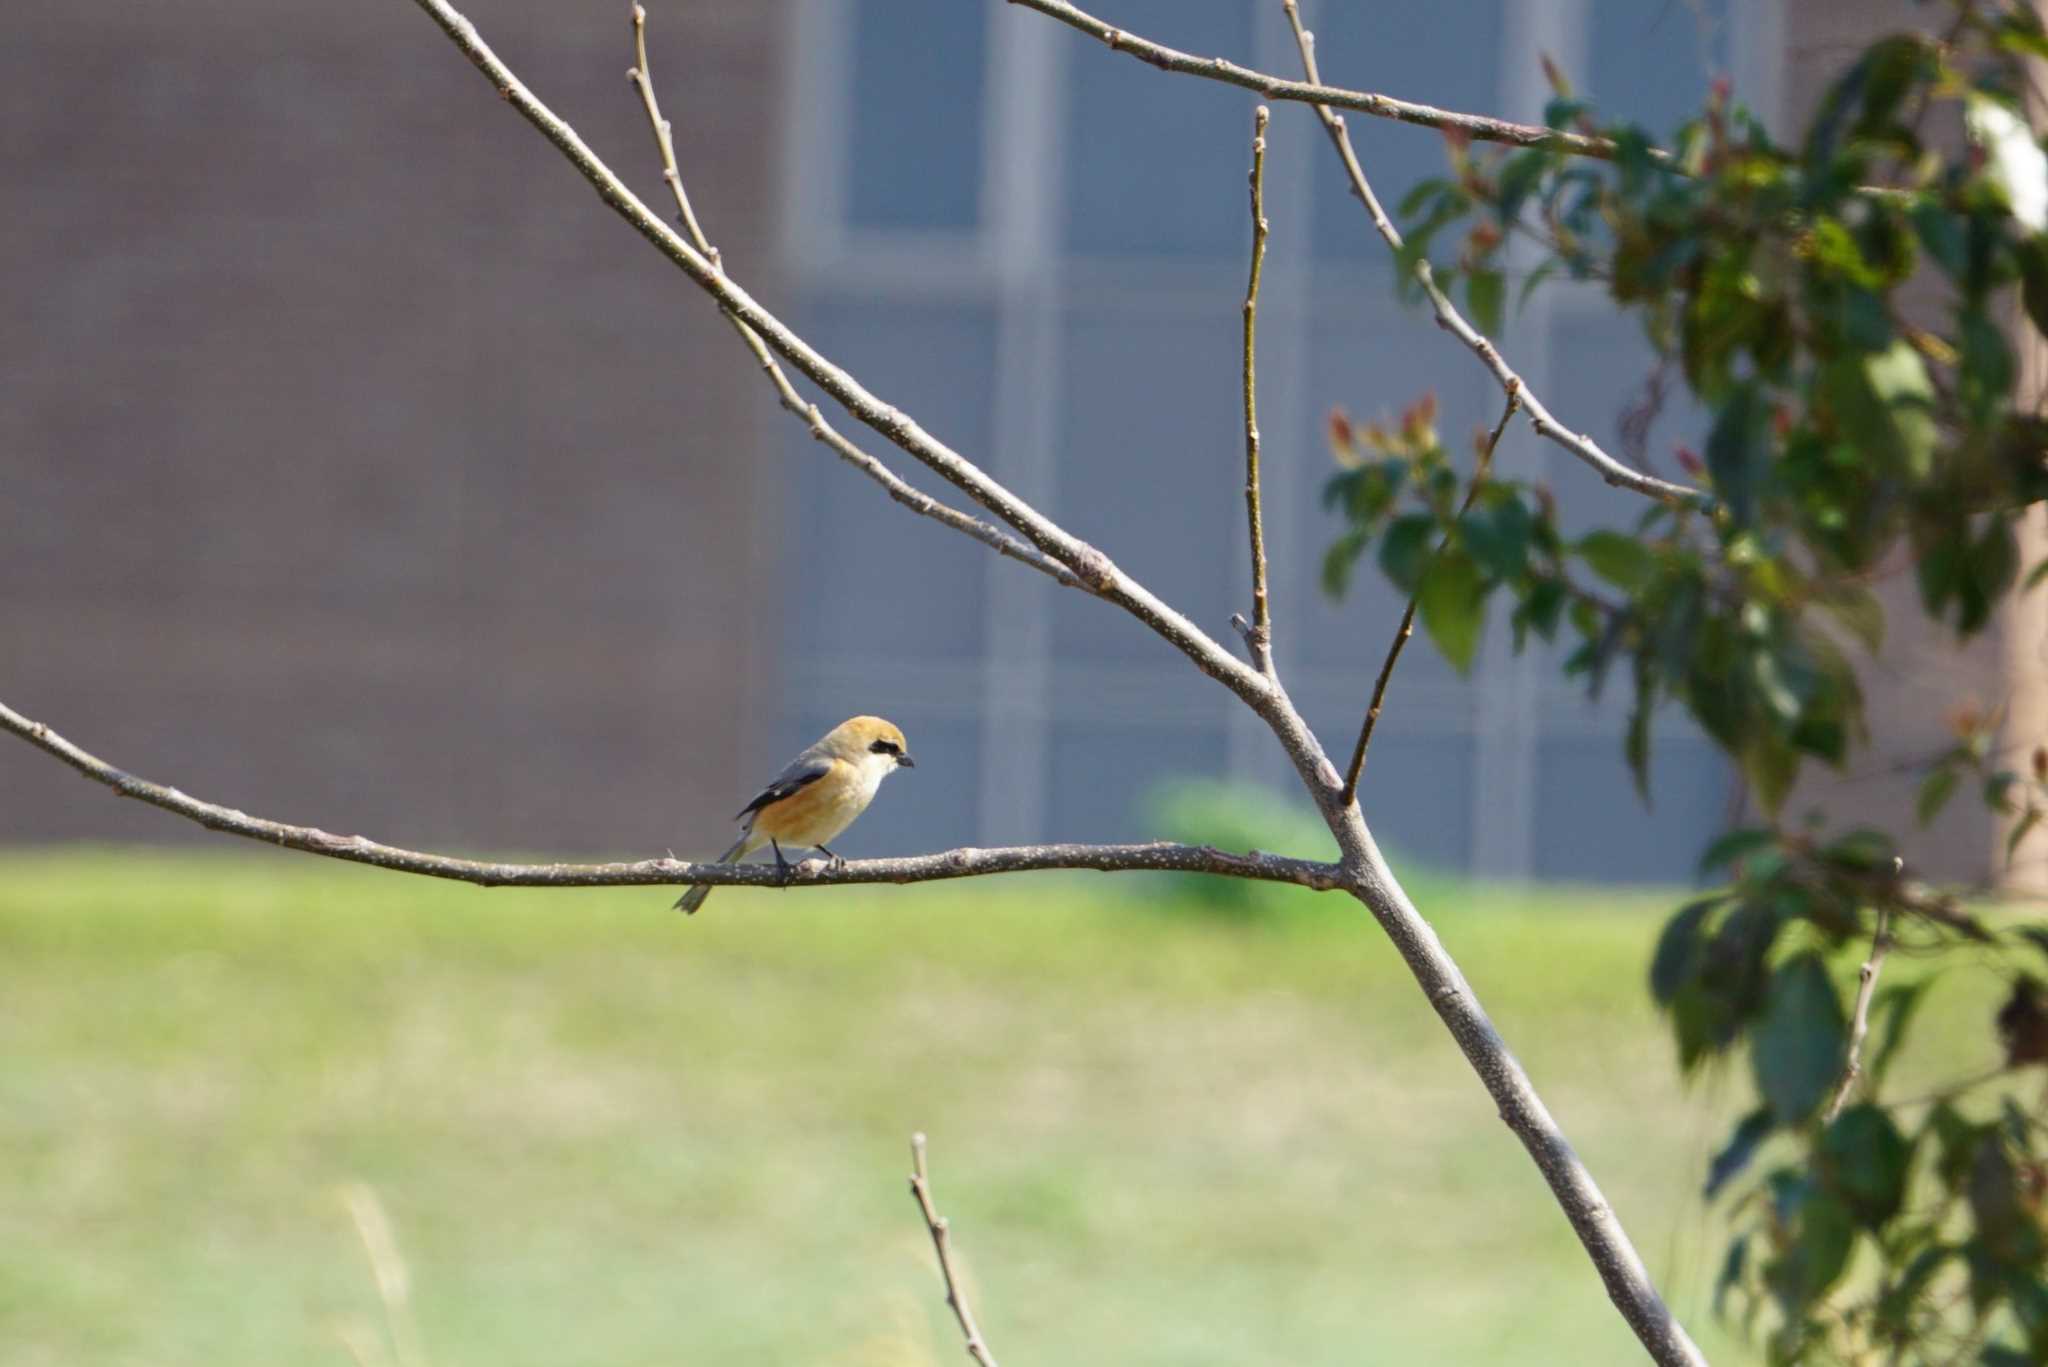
(359, 467)
(1924, 676)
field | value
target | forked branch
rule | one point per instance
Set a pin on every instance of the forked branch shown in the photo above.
(1407, 627)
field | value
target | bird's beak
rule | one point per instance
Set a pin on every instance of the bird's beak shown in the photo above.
(905, 762)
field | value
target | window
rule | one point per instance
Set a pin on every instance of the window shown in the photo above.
(1037, 246)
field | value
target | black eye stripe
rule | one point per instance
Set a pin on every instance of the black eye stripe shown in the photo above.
(886, 747)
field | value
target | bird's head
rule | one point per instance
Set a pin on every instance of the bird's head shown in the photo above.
(869, 740)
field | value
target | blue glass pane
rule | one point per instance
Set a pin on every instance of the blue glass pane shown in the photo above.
(868, 578)
(1445, 53)
(1652, 59)
(915, 154)
(1151, 451)
(1591, 825)
(1156, 164)
(1417, 793)
(1104, 774)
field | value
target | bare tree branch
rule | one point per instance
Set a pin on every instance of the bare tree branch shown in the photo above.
(966, 862)
(1259, 638)
(1363, 870)
(1859, 1020)
(1313, 91)
(1407, 627)
(1453, 322)
(906, 494)
(1088, 564)
(942, 1244)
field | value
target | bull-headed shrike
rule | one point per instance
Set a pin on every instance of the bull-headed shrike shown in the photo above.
(818, 795)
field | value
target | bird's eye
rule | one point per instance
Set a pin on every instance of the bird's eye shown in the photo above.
(886, 747)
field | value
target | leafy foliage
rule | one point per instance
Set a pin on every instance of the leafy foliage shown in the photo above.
(1849, 433)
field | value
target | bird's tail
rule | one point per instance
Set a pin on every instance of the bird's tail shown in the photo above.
(694, 898)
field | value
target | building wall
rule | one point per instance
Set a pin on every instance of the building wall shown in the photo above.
(1052, 278)
(366, 472)
(360, 468)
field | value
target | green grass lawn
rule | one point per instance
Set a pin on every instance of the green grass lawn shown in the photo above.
(606, 1134)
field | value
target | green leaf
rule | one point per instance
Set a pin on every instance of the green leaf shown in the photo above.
(1862, 1158)
(1734, 845)
(1519, 177)
(1859, 612)
(1935, 791)
(1404, 550)
(1941, 235)
(1738, 451)
(1453, 606)
(1340, 560)
(1770, 765)
(1484, 290)
(1529, 282)
(1862, 850)
(1621, 560)
(1423, 193)
(1885, 403)
(1539, 610)
(1989, 567)
(2035, 935)
(1986, 373)
(1636, 741)
(1814, 1261)
(2021, 31)
(1796, 1050)
(2020, 829)
(1731, 1272)
(1734, 1156)
(1678, 949)
(1497, 532)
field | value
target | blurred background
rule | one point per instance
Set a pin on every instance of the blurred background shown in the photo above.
(363, 471)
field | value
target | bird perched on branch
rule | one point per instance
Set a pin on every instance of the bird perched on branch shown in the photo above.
(818, 795)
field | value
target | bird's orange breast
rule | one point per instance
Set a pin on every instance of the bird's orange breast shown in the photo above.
(815, 812)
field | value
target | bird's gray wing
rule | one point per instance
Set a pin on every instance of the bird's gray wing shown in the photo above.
(803, 771)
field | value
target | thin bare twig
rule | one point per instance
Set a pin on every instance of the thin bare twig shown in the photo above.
(1859, 1019)
(1259, 640)
(1313, 91)
(942, 1244)
(1407, 627)
(906, 494)
(1453, 322)
(966, 862)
